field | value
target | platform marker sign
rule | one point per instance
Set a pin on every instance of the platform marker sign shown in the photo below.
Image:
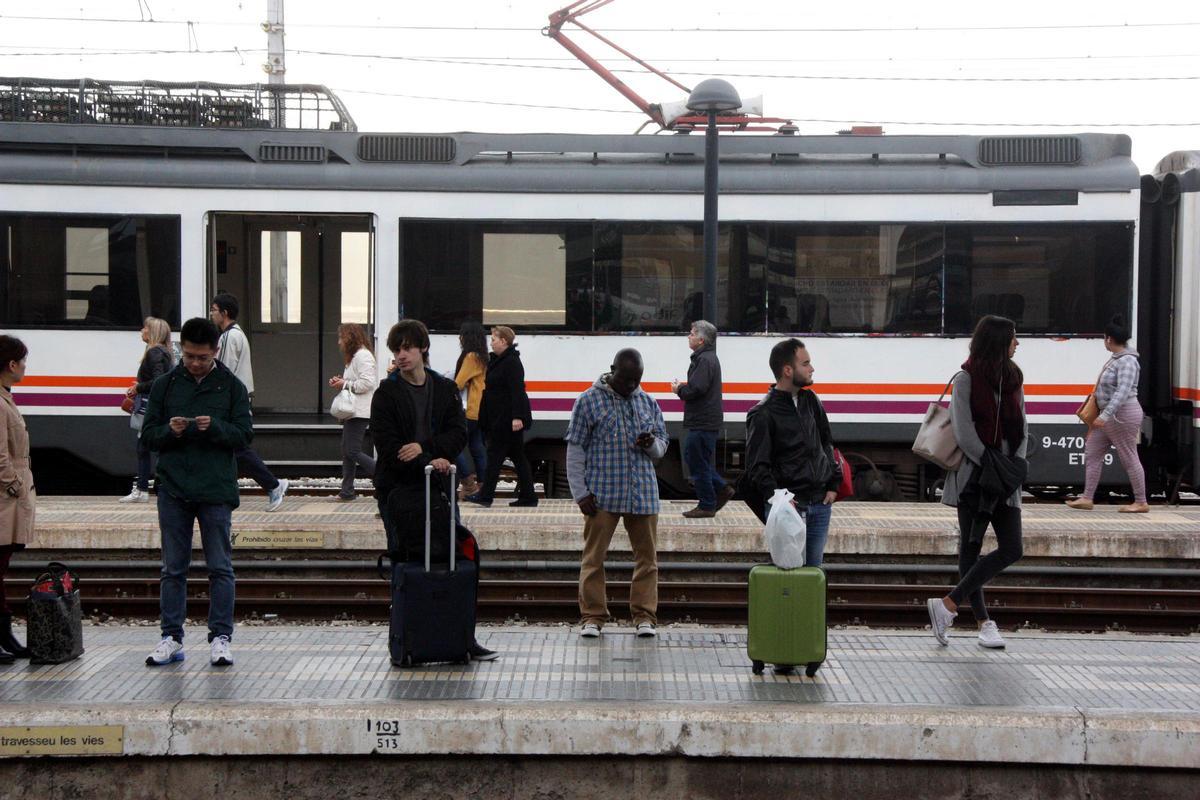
(68, 740)
(279, 539)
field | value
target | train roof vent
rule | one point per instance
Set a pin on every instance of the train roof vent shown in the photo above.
(292, 153)
(406, 149)
(1018, 150)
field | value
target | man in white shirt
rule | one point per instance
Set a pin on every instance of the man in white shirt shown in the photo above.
(234, 353)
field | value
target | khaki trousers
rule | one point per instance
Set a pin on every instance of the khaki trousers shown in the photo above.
(643, 592)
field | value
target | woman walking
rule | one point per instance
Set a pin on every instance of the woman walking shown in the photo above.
(157, 359)
(360, 375)
(1119, 423)
(469, 374)
(17, 496)
(987, 414)
(505, 417)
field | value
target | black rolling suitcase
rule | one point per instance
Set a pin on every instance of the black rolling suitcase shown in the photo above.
(433, 605)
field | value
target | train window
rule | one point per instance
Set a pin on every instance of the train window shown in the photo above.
(1054, 278)
(100, 271)
(650, 277)
(855, 278)
(356, 276)
(536, 275)
(524, 279)
(280, 276)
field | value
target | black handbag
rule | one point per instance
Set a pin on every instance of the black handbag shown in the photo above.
(55, 632)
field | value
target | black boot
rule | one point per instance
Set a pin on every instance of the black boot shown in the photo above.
(8, 643)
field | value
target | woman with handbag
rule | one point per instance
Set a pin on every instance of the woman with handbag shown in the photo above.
(157, 359)
(469, 374)
(17, 496)
(987, 413)
(1118, 423)
(360, 378)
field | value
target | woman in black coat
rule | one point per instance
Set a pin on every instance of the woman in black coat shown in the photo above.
(157, 360)
(504, 417)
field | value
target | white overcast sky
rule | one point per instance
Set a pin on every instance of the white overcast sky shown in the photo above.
(1029, 66)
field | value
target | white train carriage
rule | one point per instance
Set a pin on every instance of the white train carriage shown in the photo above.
(880, 252)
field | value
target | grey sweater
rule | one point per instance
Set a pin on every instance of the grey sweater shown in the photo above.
(969, 442)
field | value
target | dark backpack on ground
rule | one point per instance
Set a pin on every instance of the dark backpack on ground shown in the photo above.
(55, 632)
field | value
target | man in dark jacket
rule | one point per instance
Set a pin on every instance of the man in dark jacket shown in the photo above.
(417, 419)
(505, 417)
(789, 445)
(703, 417)
(197, 417)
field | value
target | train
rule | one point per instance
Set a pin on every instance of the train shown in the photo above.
(880, 252)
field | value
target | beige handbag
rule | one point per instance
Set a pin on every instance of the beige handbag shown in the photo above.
(1089, 409)
(935, 440)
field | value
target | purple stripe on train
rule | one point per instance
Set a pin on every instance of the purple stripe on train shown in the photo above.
(106, 400)
(916, 407)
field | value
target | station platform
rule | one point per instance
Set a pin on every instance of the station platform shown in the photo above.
(1051, 531)
(1110, 701)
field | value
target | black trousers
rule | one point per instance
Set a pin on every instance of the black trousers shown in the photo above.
(973, 571)
(502, 445)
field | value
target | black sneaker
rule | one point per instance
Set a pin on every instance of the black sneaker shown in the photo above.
(524, 503)
(480, 653)
(477, 500)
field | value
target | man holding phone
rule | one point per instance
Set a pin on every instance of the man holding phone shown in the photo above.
(197, 418)
(615, 436)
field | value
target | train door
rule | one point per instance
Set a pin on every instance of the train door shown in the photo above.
(297, 278)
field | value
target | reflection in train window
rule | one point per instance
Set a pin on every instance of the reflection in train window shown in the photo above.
(280, 274)
(102, 271)
(524, 279)
(855, 278)
(1048, 278)
(356, 277)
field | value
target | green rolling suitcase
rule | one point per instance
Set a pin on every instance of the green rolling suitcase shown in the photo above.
(787, 618)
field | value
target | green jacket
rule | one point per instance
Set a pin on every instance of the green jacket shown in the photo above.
(199, 466)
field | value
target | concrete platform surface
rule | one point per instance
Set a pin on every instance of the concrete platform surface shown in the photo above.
(1112, 700)
(886, 529)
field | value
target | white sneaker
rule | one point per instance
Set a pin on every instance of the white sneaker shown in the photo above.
(989, 636)
(136, 496)
(219, 653)
(646, 630)
(168, 650)
(940, 619)
(275, 496)
(590, 630)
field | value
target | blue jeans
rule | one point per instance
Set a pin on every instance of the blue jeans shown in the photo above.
(699, 452)
(145, 464)
(175, 519)
(477, 450)
(816, 521)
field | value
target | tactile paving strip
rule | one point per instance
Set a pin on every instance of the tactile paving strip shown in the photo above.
(553, 664)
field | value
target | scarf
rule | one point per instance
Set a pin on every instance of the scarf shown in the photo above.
(992, 424)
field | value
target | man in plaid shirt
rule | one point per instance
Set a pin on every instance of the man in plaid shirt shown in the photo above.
(615, 436)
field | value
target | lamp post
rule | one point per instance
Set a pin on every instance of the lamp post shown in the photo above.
(711, 97)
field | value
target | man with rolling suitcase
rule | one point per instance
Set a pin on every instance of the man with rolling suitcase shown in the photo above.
(419, 428)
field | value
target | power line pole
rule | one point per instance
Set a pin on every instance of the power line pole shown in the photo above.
(275, 67)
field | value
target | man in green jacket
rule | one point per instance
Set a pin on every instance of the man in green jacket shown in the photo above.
(198, 416)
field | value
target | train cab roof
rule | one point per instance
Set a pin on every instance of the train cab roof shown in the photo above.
(1184, 165)
(83, 154)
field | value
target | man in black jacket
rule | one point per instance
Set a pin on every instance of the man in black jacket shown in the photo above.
(417, 419)
(703, 417)
(789, 445)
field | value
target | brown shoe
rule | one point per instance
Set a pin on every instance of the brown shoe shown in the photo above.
(1135, 508)
(699, 513)
(724, 496)
(1081, 504)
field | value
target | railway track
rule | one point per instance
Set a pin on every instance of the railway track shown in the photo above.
(1059, 608)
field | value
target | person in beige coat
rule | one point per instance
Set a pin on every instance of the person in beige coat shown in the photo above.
(17, 498)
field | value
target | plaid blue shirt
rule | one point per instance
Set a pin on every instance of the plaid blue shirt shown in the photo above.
(618, 472)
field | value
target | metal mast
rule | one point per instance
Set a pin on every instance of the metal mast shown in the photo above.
(275, 67)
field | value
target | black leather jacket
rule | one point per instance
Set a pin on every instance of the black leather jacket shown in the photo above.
(790, 445)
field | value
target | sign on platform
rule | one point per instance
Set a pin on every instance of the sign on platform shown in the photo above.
(70, 740)
(279, 539)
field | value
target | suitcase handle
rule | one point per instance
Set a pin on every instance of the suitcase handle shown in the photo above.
(453, 508)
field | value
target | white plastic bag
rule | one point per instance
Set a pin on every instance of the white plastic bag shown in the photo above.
(343, 404)
(785, 532)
